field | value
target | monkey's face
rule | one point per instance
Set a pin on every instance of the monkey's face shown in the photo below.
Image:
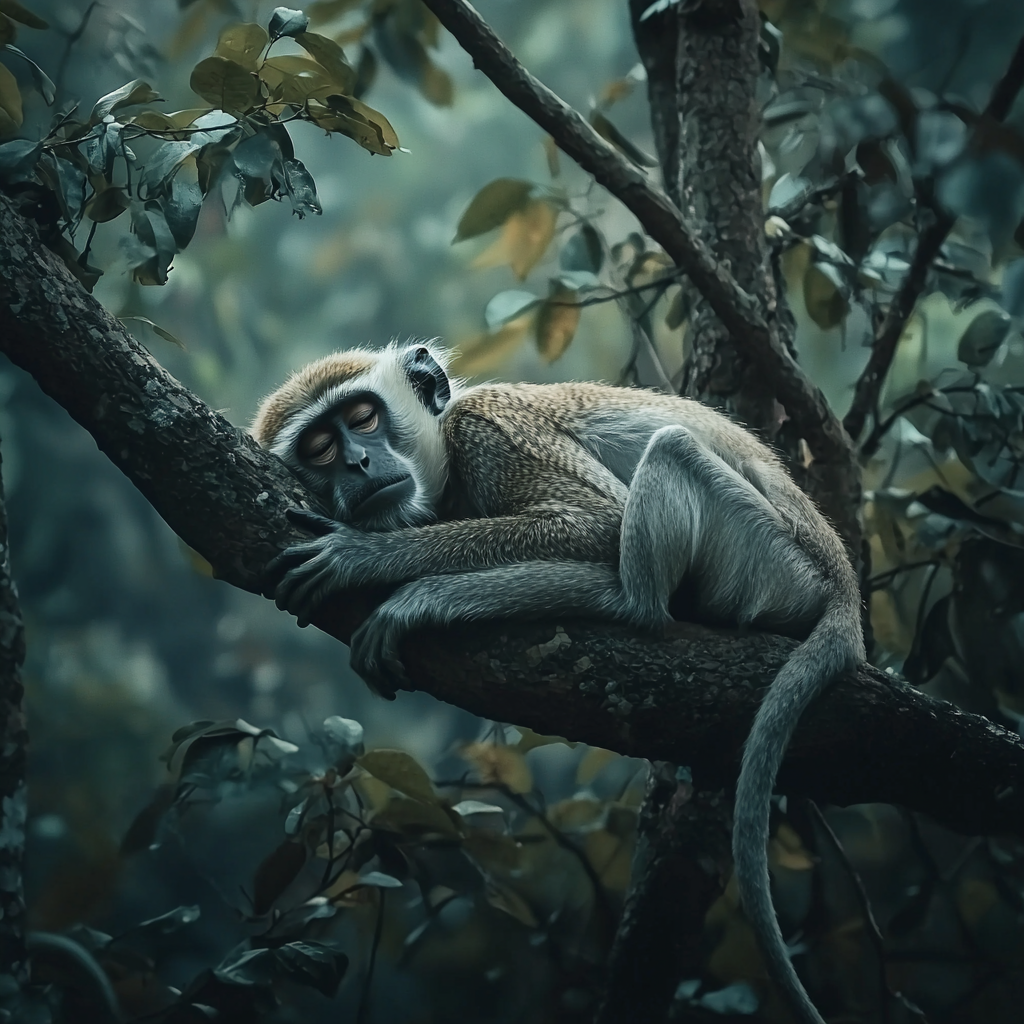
(371, 445)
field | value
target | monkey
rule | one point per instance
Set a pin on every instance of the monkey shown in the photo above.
(500, 501)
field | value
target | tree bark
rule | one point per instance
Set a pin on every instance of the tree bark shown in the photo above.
(13, 748)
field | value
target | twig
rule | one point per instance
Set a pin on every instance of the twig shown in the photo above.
(364, 995)
(869, 385)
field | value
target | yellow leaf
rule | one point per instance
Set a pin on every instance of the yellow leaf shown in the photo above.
(501, 765)
(242, 42)
(492, 206)
(575, 815)
(400, 771)
(436, 85)
(10, 96)
(511, 903)
(594, 761)
(296, 79)
(416, 819)
(524, 239)
(557, 321)
(826, 304)
(482, 353)
(611, 857)
(529, 740)
(786, 851)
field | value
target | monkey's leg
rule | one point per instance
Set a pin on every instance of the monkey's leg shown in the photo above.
(529, 590)
(690, 515)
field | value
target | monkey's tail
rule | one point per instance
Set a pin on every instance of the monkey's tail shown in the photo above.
(832, 647)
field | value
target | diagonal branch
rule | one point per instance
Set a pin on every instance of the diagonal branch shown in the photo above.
(688, 697)
(883, 350)
(661, 219)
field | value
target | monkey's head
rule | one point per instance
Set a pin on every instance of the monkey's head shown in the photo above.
(362, 430)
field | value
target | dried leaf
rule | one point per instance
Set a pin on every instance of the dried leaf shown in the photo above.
(492, 206)
(107, 204)
(331, 57)
(511, 903)
(826, 304)
(557, 321)
(501, 765)
(128, 95)
(524, 239)
(484, 352)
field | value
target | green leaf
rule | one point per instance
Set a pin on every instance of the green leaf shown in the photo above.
(331, 57)
(22, 14)
(128, 95)
(276, 872)
(224, 84)
(300, 188)
(18, 160)
(508, 305)
(400, 771)
(492, 206)
(42, 79)
(10, 96)
(8, 30)
(983, 337)
(106, 205)
(583, 250)
(824, 296)
(287, 22)
(242, 42)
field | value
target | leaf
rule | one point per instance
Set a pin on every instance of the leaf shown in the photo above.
(416, 819)
(467, 807)
(492, 206)
(43, 82)
(165, 924)
(8, 30)
(311, 963)
(983, 337)
(182, 206)
(13, 9)
(331, 57)
(484, 352)
(400, 771)
(242, 42)
(826, 304)
(18, 159)
(657, 8)
(300, 188)
(611, 134)
(511, 903)
(224, 84)
(275, 873)
(345, 732)
(508, 305)
(530, 740)
(142, 832)
(786, 850)
(287, 22)
(379, 880)
(594, 761)
(436, 85)
(352, 107)
(524, 239)
(582, 250)
(501, 765)
(136, 91)
(159, 331)
(10, 96)
(557, 321)
(106, 205)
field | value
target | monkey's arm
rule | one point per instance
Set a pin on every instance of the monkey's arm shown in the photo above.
(524, 591)
(343, 557)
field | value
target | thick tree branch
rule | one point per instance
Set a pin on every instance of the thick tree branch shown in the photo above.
(688, 698)
(749, 320)
(883, 350)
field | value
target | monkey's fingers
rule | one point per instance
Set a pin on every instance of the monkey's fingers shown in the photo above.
(291, 557)
(374, 656)
(312, 521)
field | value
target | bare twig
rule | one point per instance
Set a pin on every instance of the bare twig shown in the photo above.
(869, 385)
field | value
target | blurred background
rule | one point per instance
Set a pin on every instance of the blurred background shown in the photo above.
(128, 637)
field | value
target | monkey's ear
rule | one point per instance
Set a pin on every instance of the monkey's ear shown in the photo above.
(428, 379)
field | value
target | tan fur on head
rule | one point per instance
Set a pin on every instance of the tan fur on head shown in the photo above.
(304, 387)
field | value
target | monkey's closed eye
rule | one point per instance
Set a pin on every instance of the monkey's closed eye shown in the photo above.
(363, 418)
(318, 447)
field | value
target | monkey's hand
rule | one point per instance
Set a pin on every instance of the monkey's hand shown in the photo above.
(306, 573)
(374, 647)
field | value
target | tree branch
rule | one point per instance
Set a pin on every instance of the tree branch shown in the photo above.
(883, 350)
(688, 697)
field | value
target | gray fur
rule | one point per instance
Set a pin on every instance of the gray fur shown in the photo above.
(589, 500)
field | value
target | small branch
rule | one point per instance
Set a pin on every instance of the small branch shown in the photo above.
(869, 385)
